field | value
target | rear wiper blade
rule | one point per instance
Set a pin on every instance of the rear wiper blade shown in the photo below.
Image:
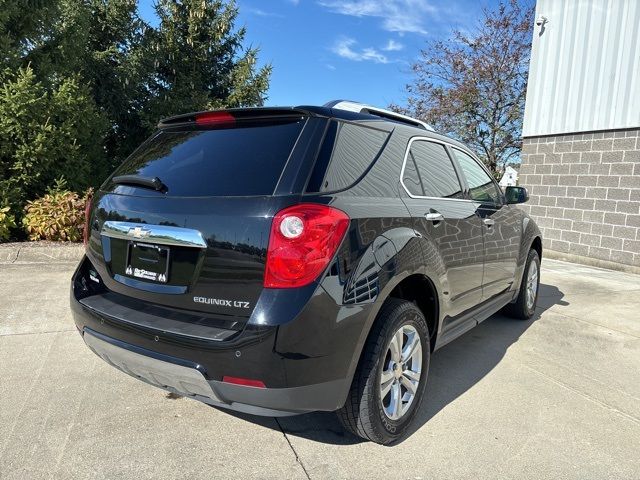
(153, 183)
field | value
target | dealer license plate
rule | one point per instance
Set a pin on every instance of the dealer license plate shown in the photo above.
(148, 262)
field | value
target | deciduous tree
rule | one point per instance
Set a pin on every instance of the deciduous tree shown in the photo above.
(472, 86)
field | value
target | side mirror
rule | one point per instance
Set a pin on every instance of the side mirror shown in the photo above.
(516, 194)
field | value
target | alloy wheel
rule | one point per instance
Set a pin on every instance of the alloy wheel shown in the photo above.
(532, 285)
(400, 376)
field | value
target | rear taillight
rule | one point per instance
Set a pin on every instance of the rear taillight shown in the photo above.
(87, 218)
(214, 118)
(304, 238)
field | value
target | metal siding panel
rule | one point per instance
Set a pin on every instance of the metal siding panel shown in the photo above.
(582, 90)
(584, 69)
(595, 29)
(572, 75)
(571, 79)
(631, 63)
(596, 111)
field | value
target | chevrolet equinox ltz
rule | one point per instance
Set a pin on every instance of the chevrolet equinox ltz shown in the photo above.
(278, 261)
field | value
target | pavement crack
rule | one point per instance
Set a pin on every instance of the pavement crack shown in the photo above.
(298, 459)
(79, 399)
(606, 327)
(585, 395)
(17, 255)
(35, 379)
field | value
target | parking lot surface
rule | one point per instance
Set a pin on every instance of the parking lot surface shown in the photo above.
(557, 397)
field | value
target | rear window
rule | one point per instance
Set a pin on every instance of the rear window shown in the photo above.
(346, 153)
(246, 160)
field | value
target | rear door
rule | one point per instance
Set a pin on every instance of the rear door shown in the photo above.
(452, 230)
(200, 243)
(500, 226)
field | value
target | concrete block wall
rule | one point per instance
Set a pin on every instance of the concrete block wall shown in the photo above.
(585, 195)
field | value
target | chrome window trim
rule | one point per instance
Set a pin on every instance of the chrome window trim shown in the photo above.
(404, 163)
(158, 234)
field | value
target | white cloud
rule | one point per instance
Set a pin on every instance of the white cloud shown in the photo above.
(295, 2)
(392, 46)
(344, 48)
(398, 15)
(261, 13)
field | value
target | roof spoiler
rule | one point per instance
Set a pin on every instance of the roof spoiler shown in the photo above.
(231, 114)
(378, 112)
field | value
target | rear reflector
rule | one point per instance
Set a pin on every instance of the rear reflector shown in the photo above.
(87, 218)
(214, 118)
(244, 382)
(303, 240)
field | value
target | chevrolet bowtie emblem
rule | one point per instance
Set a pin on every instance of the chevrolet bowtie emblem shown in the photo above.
(139, 232)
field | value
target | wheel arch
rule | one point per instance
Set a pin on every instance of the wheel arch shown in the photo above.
(403, 286)
(420, 290)
(536, 244)
(534, 241)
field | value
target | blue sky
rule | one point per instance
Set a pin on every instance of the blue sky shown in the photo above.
(360, 50)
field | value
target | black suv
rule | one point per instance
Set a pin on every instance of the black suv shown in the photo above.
(278, 261)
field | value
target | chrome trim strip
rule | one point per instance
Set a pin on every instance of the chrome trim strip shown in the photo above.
(161, 288)
(158, 234)
(404, 163)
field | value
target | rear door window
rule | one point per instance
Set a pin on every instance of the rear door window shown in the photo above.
(429, 172)
(247, 159)
(347, 151)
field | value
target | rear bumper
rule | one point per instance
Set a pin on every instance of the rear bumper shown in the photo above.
(303, 350)
(190, 380)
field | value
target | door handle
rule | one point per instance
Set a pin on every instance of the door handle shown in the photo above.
(434, 216)
(489, 222)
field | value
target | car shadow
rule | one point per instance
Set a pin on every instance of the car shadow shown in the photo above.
(455, 368)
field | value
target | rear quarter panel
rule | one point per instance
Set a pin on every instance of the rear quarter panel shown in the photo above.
(380, 249)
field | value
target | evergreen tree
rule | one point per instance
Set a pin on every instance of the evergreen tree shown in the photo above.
(200, 61)
(118, 69)
(83, 82)
(46, 134)
(25, 25)
(103, 41)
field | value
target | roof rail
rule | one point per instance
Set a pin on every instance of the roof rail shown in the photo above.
(378, 112)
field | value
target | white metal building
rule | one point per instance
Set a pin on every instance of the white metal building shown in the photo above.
(581, 152)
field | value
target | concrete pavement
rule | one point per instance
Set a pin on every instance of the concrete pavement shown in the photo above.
(556, 397)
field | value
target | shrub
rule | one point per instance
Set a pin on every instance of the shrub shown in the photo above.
(58, 216)
(7, 222)
(48, 131)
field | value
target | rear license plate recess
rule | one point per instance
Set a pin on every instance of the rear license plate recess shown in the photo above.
(148, 261)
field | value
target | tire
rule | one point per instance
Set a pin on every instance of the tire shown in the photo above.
(369, 414)
(523, 308)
